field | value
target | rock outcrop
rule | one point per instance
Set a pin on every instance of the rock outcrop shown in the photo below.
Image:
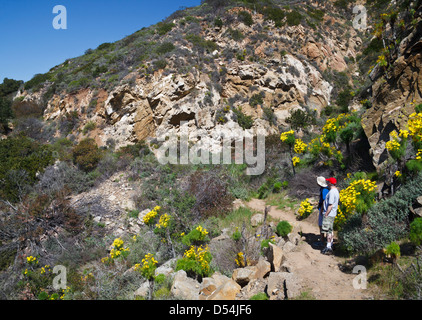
(394, 96)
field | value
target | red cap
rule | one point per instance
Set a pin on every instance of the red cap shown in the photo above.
(332, 180)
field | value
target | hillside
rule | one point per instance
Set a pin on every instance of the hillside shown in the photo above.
(81, 184)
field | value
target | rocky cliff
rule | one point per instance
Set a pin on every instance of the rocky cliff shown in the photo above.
(396, 91)
(214, 65)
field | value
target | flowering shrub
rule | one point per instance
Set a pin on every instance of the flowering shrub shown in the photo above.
(240, 259)
(300, 146)
(148, 267)
(358, 197)
(288, 137)
(397, 146)
(150, 216)
(36, 282)
(117, 251)
(32, 260)
(197, 235)
(305, 208)
(334, 125)
(196, 261)
(163, 222)
(295, 161)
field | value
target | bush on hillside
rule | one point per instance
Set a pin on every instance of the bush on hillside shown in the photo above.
(246, 18)
(416, 231)
(283, 228)
(21, 160)
(86, 155)
(211, 193)
(387, 221)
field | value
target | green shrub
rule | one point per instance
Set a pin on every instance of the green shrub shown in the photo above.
(218, 22)
(393, 250)
(86, 154)
(163, 27)
(418, 108)
(246, 122)
(275, 14)
(21, 159)
(256, 99)
(201, 43)
(165, 47)
(414, 166)
(9, 86)
(246, 18)
(283, 228)
(259, 296)
(343, 99)
(270, 185)
(237, 235)
(235, 34)
(105, 46)
(416, 231)
(36, 81)
(294, 18)
(266, 243)
(387, 221)
(196, 236)
(5, 113)
(196, 262)
(89, 127)
(160, 64)
(300, 119)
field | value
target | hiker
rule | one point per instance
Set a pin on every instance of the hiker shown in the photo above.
(330, 207)
(323, 191)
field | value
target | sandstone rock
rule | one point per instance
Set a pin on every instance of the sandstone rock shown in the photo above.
(210, 284)
(294, 238)
(393, 100)
(227, 291)
(275, 257)
(262, 269)
(143, 290)
(289, 247)
(283, 285)
(243, 275)
(166, 268)
(254, 287)
(184, 287)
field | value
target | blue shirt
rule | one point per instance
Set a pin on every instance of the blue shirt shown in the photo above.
(323, 191)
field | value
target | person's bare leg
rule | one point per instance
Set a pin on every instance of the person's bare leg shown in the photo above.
(329, 239)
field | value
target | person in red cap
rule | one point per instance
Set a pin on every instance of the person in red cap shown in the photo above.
(329, 213)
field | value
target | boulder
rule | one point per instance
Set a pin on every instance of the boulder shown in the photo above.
(275, 257)
(242, 276)
(184, 287)
(142, 291)
(289, 247)
(210, 284)
(283, 285)
(262, 269)
(252, 288)
(227, 291)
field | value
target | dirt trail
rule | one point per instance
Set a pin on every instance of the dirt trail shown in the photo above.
(320, 274)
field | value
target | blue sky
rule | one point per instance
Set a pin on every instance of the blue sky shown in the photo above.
(29, 44)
